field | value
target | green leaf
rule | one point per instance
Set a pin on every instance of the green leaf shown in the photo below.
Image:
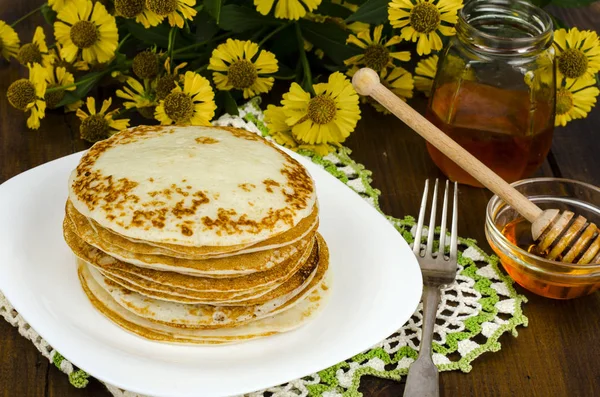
(333, 10)
(572, 3)
(206, 27)
(81, 90)
(240, 19)
(540, 3)
(226, 102)
(373, 12)
(158, 35)
(330, 38)
(214, 8)
(558, 23)
(48, 13)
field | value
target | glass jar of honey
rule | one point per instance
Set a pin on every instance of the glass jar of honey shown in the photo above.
(495, 88)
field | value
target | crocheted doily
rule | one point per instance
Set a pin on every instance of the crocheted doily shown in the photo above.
(475, 311)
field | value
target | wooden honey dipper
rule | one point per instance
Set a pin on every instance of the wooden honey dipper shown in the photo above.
(551, 229)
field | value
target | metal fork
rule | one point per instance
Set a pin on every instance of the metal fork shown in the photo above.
(438, 271)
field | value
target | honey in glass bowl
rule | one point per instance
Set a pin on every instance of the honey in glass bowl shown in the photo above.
(509, 235)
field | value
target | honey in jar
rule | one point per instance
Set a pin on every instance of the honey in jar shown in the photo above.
(494, 91)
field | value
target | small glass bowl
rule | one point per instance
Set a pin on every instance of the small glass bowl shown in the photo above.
(552, 279)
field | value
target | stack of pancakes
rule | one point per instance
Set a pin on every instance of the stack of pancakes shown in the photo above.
(196, 234)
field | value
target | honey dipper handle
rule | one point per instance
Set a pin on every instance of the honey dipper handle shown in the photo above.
(366, 82)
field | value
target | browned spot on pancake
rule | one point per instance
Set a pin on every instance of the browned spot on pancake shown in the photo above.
(239, 133)
(151, 179)
(247, 186)
(186, 231)
(154, 217)
(206, 140)
(250, 203)
(181, 210)
(180, 191)
(269, 184)
(301, 183)
(324, 287)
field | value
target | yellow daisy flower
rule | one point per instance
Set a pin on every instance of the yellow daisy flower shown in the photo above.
(421, 20)
(327, 118)
(287, 9)
(192, 104)
(139, 96)
(87, 28)
(58, 5)
(137, 9)
(376, 54)
(357, 27)
(425, 73)
(574, 99)
(399, 81)
(577, 52)
(167, 82)
(28, 95)
(278, 129)
(36, 51)
(234, 57)
(175, 10)
(58, 61)
(98, 126)
(9, 41)
(57, 77)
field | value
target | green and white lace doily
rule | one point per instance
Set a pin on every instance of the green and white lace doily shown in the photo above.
(475, 311)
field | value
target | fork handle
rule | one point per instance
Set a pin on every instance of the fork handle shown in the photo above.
(423, 375)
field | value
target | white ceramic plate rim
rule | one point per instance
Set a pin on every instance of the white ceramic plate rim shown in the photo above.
(107, 362)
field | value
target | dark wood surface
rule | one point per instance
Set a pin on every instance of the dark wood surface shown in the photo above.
(557, 355)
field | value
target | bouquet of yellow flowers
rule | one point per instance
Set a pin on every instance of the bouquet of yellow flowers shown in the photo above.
(187, 61)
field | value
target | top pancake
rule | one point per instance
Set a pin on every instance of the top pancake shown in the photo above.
(191, 186)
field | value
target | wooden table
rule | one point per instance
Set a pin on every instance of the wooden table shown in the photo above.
(557, 355)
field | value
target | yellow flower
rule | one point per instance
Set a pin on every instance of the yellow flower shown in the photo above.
(421, 20)
(376, 54)
(191, 105)
(166, 82)
(57, 60)
(578, 52)
(327, 118)
(425, 73)
(9, 41)
(98, 126)
(36, 51)
(574, 99)
(57, 77)
(137, 9)
(86, 27)
(357, 27)
(278, 129)
(140, 97)
(234, 57)
(400, 82)
(287, 9)
(174, 10)
(28, 95)
(58, 5)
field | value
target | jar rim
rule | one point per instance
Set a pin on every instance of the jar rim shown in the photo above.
(489, 42)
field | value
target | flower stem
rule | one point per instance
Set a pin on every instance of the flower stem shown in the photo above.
(75, 84)
(200, 44)
(201, 69)
(123, 41)
(171, 45)
(273, 33)
(24, 17)
(307, 81)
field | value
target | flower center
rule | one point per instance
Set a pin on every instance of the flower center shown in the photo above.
(376, 57)
(53, 98)
(179, 107)
(21, 93)
(572, 63)
(164, 86)
(84, 34)
(564, 101)
(129, 8)
(424, 17)
(29, 53)
(162, 7)
(145, 65)
(242, 74)
(94, 128)
(321, 109)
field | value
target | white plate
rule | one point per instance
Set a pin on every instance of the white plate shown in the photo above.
(376, 288)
